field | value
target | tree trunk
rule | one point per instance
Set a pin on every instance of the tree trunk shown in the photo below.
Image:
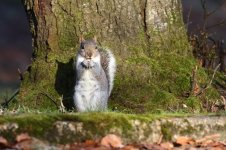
(127, 27)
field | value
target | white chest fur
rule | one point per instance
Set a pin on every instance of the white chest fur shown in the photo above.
(88, 94)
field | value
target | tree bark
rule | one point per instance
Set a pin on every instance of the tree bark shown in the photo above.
(57, 24)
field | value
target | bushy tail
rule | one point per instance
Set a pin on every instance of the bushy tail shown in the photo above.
(108, 63)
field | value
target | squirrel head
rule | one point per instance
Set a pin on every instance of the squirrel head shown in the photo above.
(88, 48)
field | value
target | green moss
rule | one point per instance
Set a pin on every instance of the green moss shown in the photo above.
(188, 129)
(93, 125)
(193, 103)
(167, 131)
(41, 125)
(220, 79)
(36, 125)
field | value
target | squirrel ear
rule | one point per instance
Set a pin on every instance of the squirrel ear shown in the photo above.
(95, 38)
(81, 39)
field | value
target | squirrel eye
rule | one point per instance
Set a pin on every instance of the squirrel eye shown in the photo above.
(96, 47)
(82, 46)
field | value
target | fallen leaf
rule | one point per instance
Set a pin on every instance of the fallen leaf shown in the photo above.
(167, 145)
(23, 137)
(24, 145)
(200, 62)
(153, 147)
(90, 143)
(130, 147)
(196, 89)
(209, 137)
(184, 106)
(184, 140)
(207, 143)
(3, 141)
(111, 141)
(32, 144)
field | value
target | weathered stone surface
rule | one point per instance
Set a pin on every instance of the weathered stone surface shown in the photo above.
(74, 127)
(141, 131)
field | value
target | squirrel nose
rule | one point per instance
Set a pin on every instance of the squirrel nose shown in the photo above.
(88, 55)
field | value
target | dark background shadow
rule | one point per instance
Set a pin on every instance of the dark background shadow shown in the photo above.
(15, 47)
(65, 82)
(194, 20)
(216, 23)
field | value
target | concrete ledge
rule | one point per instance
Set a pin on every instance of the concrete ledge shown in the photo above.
(66, 128)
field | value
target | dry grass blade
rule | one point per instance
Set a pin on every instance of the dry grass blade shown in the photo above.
(210, 83)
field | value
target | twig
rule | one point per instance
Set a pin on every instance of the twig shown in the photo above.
(215, 10)
(188, 18)
(160, 139)
(210, 83)
(204, 7)
(224, 102)
(172, 109)
(14, 94)
(193, 81)
(207, 14)
(222, 22)
(62, 107)
(20, 74)
(45, 94)
(12, 97)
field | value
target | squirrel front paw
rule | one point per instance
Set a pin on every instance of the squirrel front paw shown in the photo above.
(85, 64)
(88, 64)
(91, 64)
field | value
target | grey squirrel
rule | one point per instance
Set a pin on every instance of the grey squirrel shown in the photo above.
(95, 71)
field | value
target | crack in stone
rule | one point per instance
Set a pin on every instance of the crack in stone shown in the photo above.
(145, 20)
